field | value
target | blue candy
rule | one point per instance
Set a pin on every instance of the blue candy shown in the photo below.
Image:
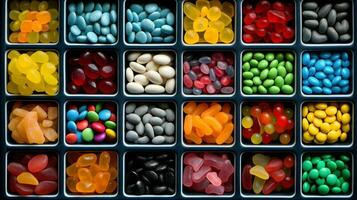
(327, 82)
(316, 89)
(75, 30)
(147, 25)
(307, 90)
(72, 7)
(128, 28)
(170, 19)
(104, 114)
(320, 64)
(95, 15)
(151, 7)
(129, 15)
(81, 23)
(92, 37)
(82, 114)
(136, 8)
(153, 16)
(105, 20)
(72, 115)
(314, 81)
(80, 7)
(89, 7)
(141, 37)
(72, 17)
(306, 59)
(71, 126)
(345, 73)
(84, 107)
(79, 137)
(320, 75)
(167, 29)
(326, 90)
(106, 7)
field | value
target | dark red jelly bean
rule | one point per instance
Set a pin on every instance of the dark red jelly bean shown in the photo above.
(90, 87)
(37, 163)
(100, 58)
(266, 138)
(78, 77)
(26, 159)
(48, 174)
(107, 71)
(269, 186)
(46, 187)
(289, 161)
(247, 177)
(72, 88)
(278, 175)
(262, 6)
(23, 189)
(12, 183)
(249, 18)
(16, 168)
(85, 58)
(273, 165)
(107, 86)
(92, 71)
(288, 182)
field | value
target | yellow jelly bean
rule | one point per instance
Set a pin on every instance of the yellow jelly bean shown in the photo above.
(335, 125)
(325, 127)
(211, 35)
(331, 110)
(313, 130)
(317, 122)
(346, 128)
(204, 11)
(310, 117)
(321, 137)
(34, 76)
(346, 118)
(12, 67)
(47, 68)
(18, 79)
(345, 108)
(191, 11)
(22, 15)
(40, 57)
(25, 90)
(333, 135)
(187, 24)
(200, 24)
(228, 8)
(13, 37)
(305, 111)
(214, 13)
(51, 90)
(219, 25)
(226, 36)
(330, 119)
(33, 37)
(12, 88)
(53, 57)
(305, 124)
(15, 26)
(339, 115)
(13, 54)
(24, 61)
(307, 137)
(311, 107)
(225, 19)
(54, 13)
(216, 3)
(202, 3)
(320, 114)
(321, 106)
(343, 137)
(191, 37)
(50, 79)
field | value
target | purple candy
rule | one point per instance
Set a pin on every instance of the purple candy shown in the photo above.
(99, 138)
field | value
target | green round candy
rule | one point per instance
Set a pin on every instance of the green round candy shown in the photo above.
(289, 66)
(92, 116)
(326, 156)
(304, 176)
(323, 189)
(340, 164)
(98, 107)
(274, 64)
(269, 56)
(279, 81)
(253, 63)
(258, 56)
(331, 179)
(255, 71)
(274, 90)
(345, 158)
(307, 165)
(248, 75)
(331, 165)
(336, 190)
(273, 73)
(287, 89)
(262, 89)
(110, 124)
(280, 56)
(337, 173)
(281, 63)
(264, 74)
(346, 174)
(306, 187)
(320, 181)
(290, 57)
(338, 183)
(324, 172)
(247, 90)
(313, 174)
(257, 81)
(289, 79)
(313, 189)
(345, 187)
(320, 164)
(281, 71)
(247, 56)
(246, 66)
(263, 64)
(255, 89)
(268, 82)
(88, 135)
(248, 83)
(315, 159)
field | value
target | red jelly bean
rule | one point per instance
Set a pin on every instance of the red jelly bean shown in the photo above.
(269, 186)
(275, 16)
(248, 38)
(37, 163)
(113, 118)
(72, 88)
(48, 174)
(107, 87)
(287, 183)
(85, 58)
(90, 87)
(78, 77)
(260, 32)
(249, 28)
(107, 71)
(12, 183)
(210, 89)
(247, 177)
(249, 18)
(289, 161)
(91, 71)
(198, 84)
(187, 176)
(262, 22)
(282, 120)
(100, 58)
(278, 6)
(23, 189)
(288, 33)
(262, 6)
(273, 165)
(226, 80)
(278, 175)
(186, 67)
(266, 138)
(46, 187)
(16, 168)
(205, 80)
(276, 38)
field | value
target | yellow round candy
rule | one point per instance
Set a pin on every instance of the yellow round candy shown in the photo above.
(346, 128)
(219, 25)
(321, 137)
(226, 36)
(191, 10)
(228, 8)
(317, 122)
(13, 54)
(320, 114)
(343, 137)
(225, 19)
(200, 24)
(187, 24)
(310, 117)
(214, 13)
(191, 37)
(321, 106)
(346, 118)
(330, 119)
(335, 125)
(307, 137)
(12, 88)
(331, 110)
(305, 124)
(216, 3)
(110, 133)
(202, 3)
(325, 127)
(339, 115)
(204, 11)
(305, 111)
(313, 130)
(211, 35)
(311, 107)
(345, 108)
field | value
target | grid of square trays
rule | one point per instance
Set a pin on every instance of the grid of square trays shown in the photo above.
(179, 98)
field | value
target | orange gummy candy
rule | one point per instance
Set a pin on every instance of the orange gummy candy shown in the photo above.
(189, 107)
(71, 183)
(43, 17)
(213, 123)
(72, 170)
(214, 109)
(86, 160)
(36, 26)
(101, 180)
(84, 174)
(200, 108)
(198, 123)
(111, 187)
(104, 161)
(225, 134)
(85, 186)
(188, 125)
(26, 26)
(27, 178)
(33, 130)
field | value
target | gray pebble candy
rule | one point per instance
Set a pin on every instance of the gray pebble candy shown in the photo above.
(324, 10)
(155, 121)
(129, 126)
(311, 23)
(158, 112)
(345, 37)
(170, 115)
(149, 130)
(169, 139)
(332, 34)
(130, 107)
(132, 136)
(342, 27)
(331, 18)
(310, 5)
(308, 14)
(323, 26)
(340, 7)
(318, 38)
(146, 118)
(143, 140)
(133, 118)
(158, 139)
(140, 128)
(306, 34)
(158, 130)
(141, 110)
(164, 106)
(169, 128)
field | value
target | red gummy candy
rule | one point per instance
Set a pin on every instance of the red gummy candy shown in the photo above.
(199, 175)
(246, 177)
(262, 6)
(90, 87)
(289, 161)
(269, 186)
(212, 189)
(23, 189)
(187, 176)
(107, 71)
(16, 168)
(213, 178)
(288, 182)
(78, 77)
(278, 175)
(100, 58)
(46, 187)
(107, 87)
(37, 163)
(273, 165)
(48, 174)
(194, 161)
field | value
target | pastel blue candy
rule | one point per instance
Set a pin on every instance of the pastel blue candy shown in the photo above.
(307, 90)
(110, 38)
(149, 37)
(79, 137)
(131, 37)
(82, 108)
(312, 71)
(164, 12)
(89, 28)
(345, 73)
(320, 64)
(72, 7)
(113, 16)
(154, 16)
(157, 39)
(147, 25)
(337, 64)
(346, 63)
(95, 15)
(71, 126)
(338, 72)
(136, 8)
(102, 39)
(316, 90)
(305, 72)
(82, 38)
(81, 23)
(305, 58)
(142, 15)
(136, 26)
(75, 30)
(156, 32)
(80, 8)
(336, 80)
(327, 83)
(331, 76)
(96, 28)
(89, 7)
(105, 20)
(129, 15)
(328, 63)
(128, 28)
(82, 115)
(151, 7)
(170, 19)
(345, 89)
(169, 39)
(335, 56)
(72, 17)
(135, 17)
(336, 90)
(72, 115)
(113, 7)
(328, 70)
(141, 37)
(159, 23)
(98, 6)
(306, 82)
(344, 56)
(92, 37)
(106, 7)
(343, 83)
(314, 81)
(87, 17)
(104, 114)
(320, 75)
(325, 55)
(326, 90)
(105, 30)
(114, 29)
(167, 29)
(312, 62)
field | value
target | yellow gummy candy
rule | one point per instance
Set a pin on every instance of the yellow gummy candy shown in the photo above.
(219, 25)
(225, 19)
(13, 37)
(191, 37)
(202, 3)
(13, 54)
(200, 24)
(15, 26)
(34, 76)
(226, 36)
(187, 23)
(216, 3)
(12, 67)
(25, 90)
(40, 57)
(228, 8)
(214, 13)
(191, 11)
(12, 88)
(50, 79)
(51, 90)
(47, 68)
(204, 11)
(211, 35)
(18, 79)
(53, 57)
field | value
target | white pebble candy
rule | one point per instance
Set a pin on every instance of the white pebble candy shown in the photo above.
(152, 66)
(144, 58)
(154, 89)
(167, 71)
(154, 77)
(129, 75)
(141, 79)
(136, 67)
(133, 56)
(162, 59)
(170, 86)
(135, 88)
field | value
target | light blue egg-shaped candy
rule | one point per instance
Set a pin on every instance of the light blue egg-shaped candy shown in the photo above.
(326, 91)
(147, 25)
(141, 37)
(105, 20)
(325, 55)
(345, 73)
(312, 62)
(72, 115)
(80, 7)
(156, 32)
(345, 56)
(331, 76)
(114, 30)
(149, 37)
(102, 39)
(92, 37)
(337, 64)
(343, 83)
(131, 37)
(336, 80)
(327, 83)
(142, 16)
(314, 81)
(113, 16)
(136, 8)
(306, 58)
(320, 65)
(164, 12)
(89, 7)
(314, 56)
(170, 19)
(151, 7)
(106, 7)
(82, 38)
(98, 6)
(110, 38)
(336, 90)
(129, 15)
(328, 62)
(306, 90)
(157, 39)
(345, 89)
(335, 56)
(154, 16)
(167, 29)
(305, 72)
(89, 28)
(75, 30)
(72, 7)
(72, 19)
(159, 23)
(87, 17)
(105, 30)
(320, 75)
(306, 82)
(169, 39)
(104, 114)
(136, 26)
(346, 63)
(82, 108)
(316, 90)
(71, 126)
(338, 72)
(95, 16)
(128, 28)
(79, 137)
(81, 23)
(328, 70)
(312, 71)
(96, 28)
(135, 17)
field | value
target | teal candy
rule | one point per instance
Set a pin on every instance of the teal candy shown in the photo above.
(87, 16)
(72, 17)
(98, 6)
(80, 8)
(147, 25)
(164, 12)
(95, 15)
(149, 37)
(113, 16)
(110, 38)
(105, 20)
(92, 37)
(159, 23)
(169, 39)
(156, 32)
(151, 7)
(128, 28)
(142, 16)
(72, 7)
(114, 29)
(141, 37)
(170, 19)
(157, 39)
(155, 15)
(71, 37)
(96, 28)
(82, 38)
(105, 30)
(89, 7)
(167, 29)
(135, 17)
(129, 15)
(102, 39)
(106, 7)
(89, 28)
(136, 8)
(131, 37)
(136, 26)
(81, 23)
(75, 30)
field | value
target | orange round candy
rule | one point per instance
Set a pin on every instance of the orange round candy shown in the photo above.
(26, 26)
(22, 37)
(31, 15)
(43, 17)
(36, 26)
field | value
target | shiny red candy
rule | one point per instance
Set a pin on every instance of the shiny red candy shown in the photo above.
(92, 73)
(268, 22)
